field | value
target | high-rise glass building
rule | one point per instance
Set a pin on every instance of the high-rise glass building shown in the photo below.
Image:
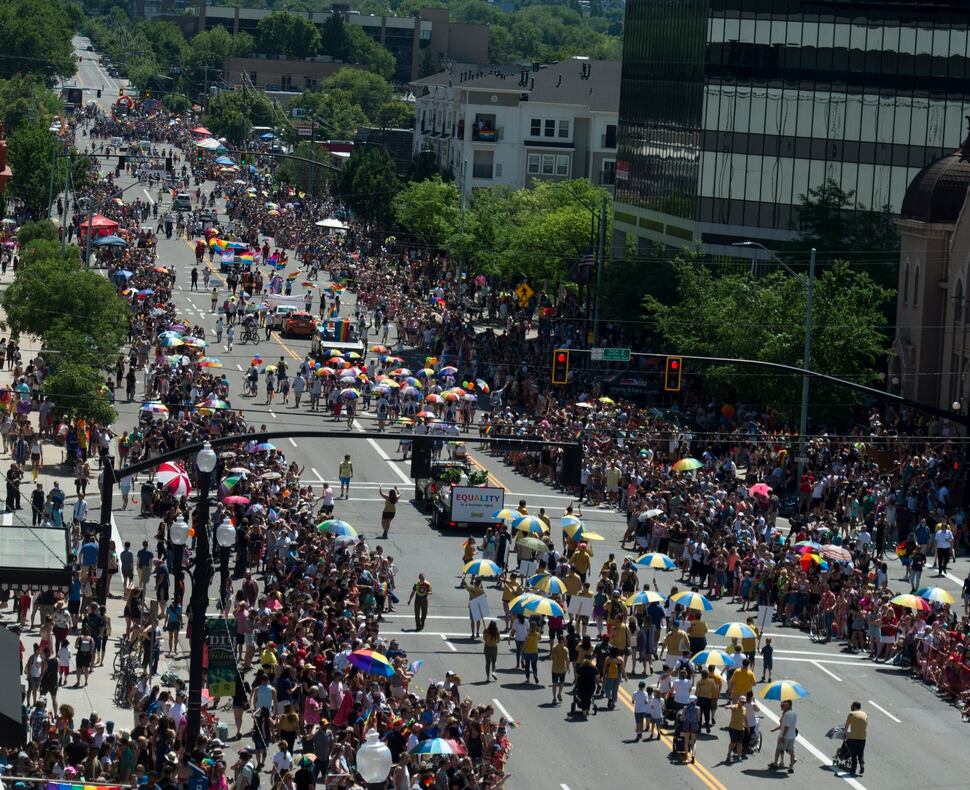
(730, 110)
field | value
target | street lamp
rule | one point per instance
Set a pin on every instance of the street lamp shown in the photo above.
(801, 458)
(178, 534)
(205, 462)
(374, 760)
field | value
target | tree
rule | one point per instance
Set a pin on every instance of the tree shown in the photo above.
(340, 117)
(368, 90)
(431, 210)
(738, 316)
(77, 391)
(210, 48)
(24, 97)
(232, 115)
(41, 229)
(289, 35)
(428, 63)
(35, 38)
(394, 114)
(424, 165)
(368, 184)
(32, 153)
(306, 177)
(369, 54)
(334, 38)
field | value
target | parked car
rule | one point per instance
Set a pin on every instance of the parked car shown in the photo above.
(182, 202)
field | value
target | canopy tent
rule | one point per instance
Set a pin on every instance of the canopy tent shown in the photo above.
(209, 144)
(267, 136)
(101, 226)
(225, 160)
(201, 130)
(110, 241)
(332, 222)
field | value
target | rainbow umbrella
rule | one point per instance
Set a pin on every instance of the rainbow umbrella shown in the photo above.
(438, 746)
(153, 407)
(935, 594)
(716, 657)
(171, 341)
(687, 465)
(400, 372)
(209, 362)
(481, 568)
(337, 527)
(434, 397)
(194, 342)
(736, 631)
(782, 690)
(228, 483)
(263, 447)
(644, 598)
(371, 662)
(448, 370)
(911, 602)
(692, 600)
(216, 403)
(349, 394)
(425, 373)
(482, 385)
(657, 560)
(379, 349)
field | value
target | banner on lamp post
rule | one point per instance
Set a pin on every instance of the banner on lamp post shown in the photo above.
(221, 677)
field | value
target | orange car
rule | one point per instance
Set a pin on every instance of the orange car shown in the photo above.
(299, 324)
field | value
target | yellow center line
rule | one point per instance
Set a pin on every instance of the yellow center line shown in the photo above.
(495, 481)
(699, 769)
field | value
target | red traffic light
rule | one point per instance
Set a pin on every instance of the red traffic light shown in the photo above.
(675, 364)
(561, 357)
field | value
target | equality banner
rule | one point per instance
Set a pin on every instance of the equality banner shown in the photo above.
(221, 642)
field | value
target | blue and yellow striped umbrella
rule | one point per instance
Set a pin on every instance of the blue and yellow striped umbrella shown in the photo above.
(736, 631)
(552, 585)
(481, 568)
(542, 605)
(712, 657)
(530, 524)
(644, 598)
(656, 560)
(692, 600)
(506, 515)
(781, 690)
(518, 604)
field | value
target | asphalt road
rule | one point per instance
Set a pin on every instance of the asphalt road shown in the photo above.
(91, 76)
(911, 741)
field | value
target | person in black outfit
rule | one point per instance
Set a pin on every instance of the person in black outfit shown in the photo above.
(37, 505)
(14, 476)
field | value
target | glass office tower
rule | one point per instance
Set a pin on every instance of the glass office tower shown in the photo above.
(730, 110)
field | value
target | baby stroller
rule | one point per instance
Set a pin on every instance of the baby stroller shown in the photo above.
(842, 758)
(678, 744)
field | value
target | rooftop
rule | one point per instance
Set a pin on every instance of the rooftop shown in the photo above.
(593, 83)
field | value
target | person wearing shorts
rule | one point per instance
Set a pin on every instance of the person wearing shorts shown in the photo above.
(641, 707)
(737, 729)
(786, 737)
(345, 472)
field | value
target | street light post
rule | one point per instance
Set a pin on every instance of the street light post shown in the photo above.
(205, 461)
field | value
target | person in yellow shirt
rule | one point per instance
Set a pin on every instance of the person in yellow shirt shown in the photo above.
(742, 680)
(475, 590)
(697, 636)
(530, 652)
(612, 671)
(706, 691)
(468, 550)
(268, 660)
(522, 509)
(718, 680)
(511, 587)
(580, 560)
(675, 643)
(737, 728)
(620, 639)
(559, 656)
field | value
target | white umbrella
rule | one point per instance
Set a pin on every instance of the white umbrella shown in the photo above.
(332, 222)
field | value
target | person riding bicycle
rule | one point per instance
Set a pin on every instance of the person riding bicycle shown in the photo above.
(252, 379)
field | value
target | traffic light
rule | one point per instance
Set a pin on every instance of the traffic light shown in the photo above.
(244, 157)
(198, 156)
(560, 366)
(672, 374)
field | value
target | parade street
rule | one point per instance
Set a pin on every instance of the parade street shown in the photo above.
(910, 729)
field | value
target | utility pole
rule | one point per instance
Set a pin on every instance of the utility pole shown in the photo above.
(67, 170)
(806, 365)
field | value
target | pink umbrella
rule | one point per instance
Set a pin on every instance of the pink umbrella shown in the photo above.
(760, 490)
(174, 479)
(235, 499)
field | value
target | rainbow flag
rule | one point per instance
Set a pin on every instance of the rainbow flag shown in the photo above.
(342, 331)
(246, 257)
(273, 259)
(414, 666)
(79, 786)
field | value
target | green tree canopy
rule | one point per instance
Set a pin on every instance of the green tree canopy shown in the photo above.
(738, 316)
(78, 391)
(31, 155)
(307, 177)
(286, 34)
(431, 210)
(232, 115)
(338, 114)
(394, 114)
(370, 54)
(368, 90)
(210, 48)
(24, 96)
(35, 38)
(368, 185)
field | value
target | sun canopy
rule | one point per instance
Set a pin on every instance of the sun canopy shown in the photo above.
(332, 222)
(225, 160)
(202, 130)
(209, 144)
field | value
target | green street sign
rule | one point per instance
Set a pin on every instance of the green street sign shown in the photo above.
(610, 354)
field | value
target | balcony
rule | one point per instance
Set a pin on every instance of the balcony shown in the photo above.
(486, 135)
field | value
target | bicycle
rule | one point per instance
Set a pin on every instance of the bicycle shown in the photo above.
(817, 628)
(127, 648)
(250, 334)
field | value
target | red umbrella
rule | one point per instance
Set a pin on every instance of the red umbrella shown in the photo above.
(174, 479)
(760, 490)
(201, 130)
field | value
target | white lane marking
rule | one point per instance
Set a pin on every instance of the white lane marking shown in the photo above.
(502, 710)
(7, 520)
(150, 200)
(239, 367)
(319, 478)
(429, 617)
(954, 579)
(380, 451)
(291, 441)
(563, 787)
(881, 709)
(828, 672)
(272, 414)
(823, 758)
(453, 648)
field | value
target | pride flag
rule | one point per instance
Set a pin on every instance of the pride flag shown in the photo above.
(79, 786)
(246, 257)
(414, 666)
(341, 331)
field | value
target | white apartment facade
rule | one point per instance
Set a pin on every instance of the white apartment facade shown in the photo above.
(505, 128)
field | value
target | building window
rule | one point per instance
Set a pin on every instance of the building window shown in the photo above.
(609, 139)
(536, 129)
(906, 284)
(252, 77)
(548, 164)
(564, 128)
(532, 165)
(482, 164)
(286, 82)
(550, 128)
(916, 287)
(609, 172)
(958, 304)
(562, 165)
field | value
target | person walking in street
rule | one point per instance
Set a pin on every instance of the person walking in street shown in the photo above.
(787, 730)
(346, 473)
(491, 638)
(419, 594)
(230, 336)
(856, 730)
(943, 539)
(390, 508)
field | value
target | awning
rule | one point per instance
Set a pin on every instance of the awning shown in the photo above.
(202, 130)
